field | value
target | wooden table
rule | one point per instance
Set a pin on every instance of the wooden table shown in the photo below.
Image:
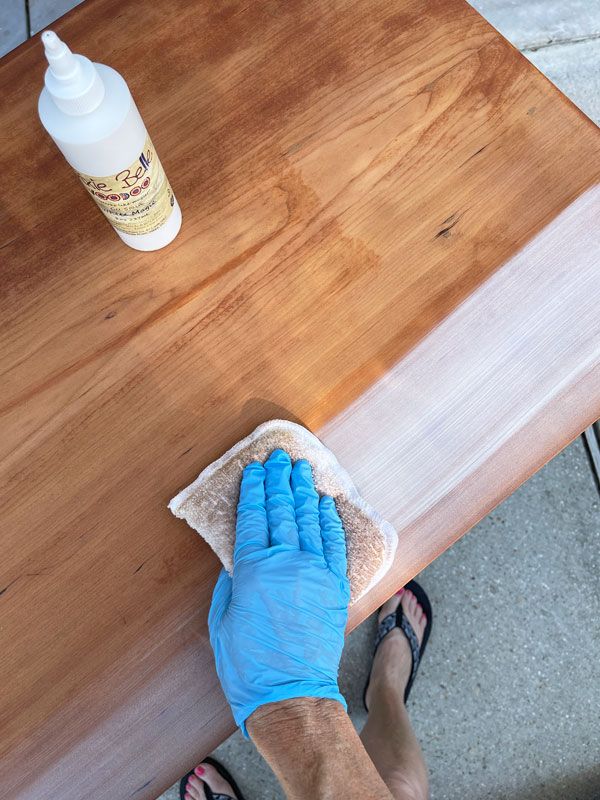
(390, 234)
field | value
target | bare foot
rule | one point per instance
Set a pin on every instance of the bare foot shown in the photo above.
(206, 774)
(392, 664)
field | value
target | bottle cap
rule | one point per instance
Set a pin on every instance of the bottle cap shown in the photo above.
(72, 80)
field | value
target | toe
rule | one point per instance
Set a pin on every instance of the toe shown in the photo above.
(411, 607)
(215, 781)
(389, 606)
(195, 789)
(414, 612)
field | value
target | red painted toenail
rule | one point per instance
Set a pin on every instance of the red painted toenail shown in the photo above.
(199, 771)
(400, 591)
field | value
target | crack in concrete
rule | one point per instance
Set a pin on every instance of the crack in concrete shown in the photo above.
(533, 46)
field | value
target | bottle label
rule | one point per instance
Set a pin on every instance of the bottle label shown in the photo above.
(138, 199)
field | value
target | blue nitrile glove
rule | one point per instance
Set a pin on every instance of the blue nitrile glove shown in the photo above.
(277, 627)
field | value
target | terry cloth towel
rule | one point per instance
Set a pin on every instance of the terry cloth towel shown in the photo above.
(209, 504)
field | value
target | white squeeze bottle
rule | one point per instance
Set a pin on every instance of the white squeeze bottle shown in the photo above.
(89, 112)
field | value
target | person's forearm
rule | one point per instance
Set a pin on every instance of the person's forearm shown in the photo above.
(313, 749)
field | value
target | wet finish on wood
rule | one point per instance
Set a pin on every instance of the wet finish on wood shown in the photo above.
(349, 174)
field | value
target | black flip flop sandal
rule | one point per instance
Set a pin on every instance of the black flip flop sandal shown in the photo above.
(224, 773)
(398, 619)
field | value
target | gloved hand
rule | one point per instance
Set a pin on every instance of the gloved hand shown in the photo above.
(277, 626)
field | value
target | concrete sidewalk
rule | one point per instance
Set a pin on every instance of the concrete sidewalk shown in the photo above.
(561, 38)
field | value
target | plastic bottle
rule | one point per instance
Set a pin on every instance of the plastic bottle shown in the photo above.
(89, 112)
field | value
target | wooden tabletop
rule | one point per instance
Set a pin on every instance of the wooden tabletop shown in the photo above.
(390, 234)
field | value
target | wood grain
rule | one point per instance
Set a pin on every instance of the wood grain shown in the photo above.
(480, 403)
(352, 177)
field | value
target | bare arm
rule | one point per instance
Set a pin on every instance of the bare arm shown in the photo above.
(313, 749)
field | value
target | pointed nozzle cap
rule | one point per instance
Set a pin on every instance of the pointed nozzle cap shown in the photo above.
(72, 80)
(62, 61)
